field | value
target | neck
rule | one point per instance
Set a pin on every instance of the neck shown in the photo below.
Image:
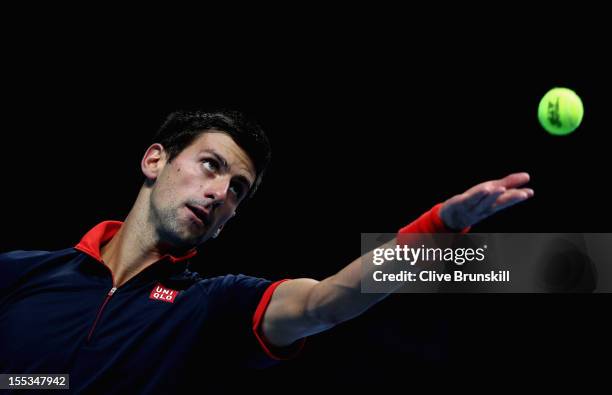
(134, 247)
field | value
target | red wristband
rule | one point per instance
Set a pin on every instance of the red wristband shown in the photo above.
(430, 222)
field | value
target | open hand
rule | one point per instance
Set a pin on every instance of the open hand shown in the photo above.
(484, 200)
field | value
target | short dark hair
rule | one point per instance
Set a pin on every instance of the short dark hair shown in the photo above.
(182, 127)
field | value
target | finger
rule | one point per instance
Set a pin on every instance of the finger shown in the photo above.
(512, 197)
(514, 180)
(524, 193)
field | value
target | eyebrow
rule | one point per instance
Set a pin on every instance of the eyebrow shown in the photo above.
(225, 166)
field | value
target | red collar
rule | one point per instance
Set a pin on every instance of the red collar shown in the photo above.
(103, 232)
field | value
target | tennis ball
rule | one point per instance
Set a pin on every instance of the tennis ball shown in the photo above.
(560, 111)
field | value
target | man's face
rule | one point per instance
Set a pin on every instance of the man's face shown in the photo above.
(195, 194)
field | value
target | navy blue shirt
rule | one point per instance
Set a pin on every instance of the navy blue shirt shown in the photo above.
(160, 332)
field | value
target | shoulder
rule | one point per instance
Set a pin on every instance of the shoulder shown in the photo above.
(233, 283)
(35, 256)
(237, 290)
(15, 265)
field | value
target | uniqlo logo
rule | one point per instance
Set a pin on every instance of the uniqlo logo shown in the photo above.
(163, 294)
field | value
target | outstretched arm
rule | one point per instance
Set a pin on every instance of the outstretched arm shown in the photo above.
(303, 307)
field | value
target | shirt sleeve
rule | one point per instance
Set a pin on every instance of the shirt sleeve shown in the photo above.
(245, 302)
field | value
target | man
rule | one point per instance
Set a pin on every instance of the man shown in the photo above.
(121, 313)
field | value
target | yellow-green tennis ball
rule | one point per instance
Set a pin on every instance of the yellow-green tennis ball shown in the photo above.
(560, 111)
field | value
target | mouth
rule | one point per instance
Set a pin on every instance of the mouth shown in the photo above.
(200, 213)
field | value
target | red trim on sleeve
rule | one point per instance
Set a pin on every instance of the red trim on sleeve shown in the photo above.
(430, 222)
(279, 354)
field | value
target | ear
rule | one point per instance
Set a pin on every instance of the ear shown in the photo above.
(153, 161)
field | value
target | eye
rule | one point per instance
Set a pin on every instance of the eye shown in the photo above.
(237, 189)
(211, 165)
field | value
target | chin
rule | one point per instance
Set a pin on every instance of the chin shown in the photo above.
(183, 236)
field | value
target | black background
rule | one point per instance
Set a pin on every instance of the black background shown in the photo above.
(369, 128)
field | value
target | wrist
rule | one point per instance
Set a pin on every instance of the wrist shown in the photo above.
(432, 222)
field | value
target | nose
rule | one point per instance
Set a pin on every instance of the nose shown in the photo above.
(217, 190)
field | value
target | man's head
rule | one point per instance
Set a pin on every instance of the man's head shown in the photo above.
(199, 169)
